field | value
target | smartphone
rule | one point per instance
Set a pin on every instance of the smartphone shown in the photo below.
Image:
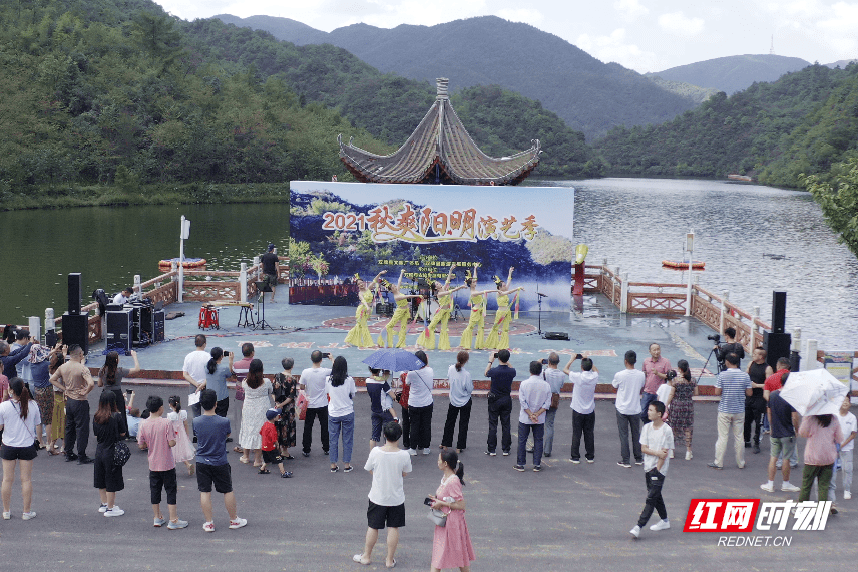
(579, 356)
(326, 354)
(129, 391)
(428, 502)
(496, 355)
(544, 361)
(226, 354)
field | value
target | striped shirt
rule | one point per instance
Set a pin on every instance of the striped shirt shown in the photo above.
(733, 383)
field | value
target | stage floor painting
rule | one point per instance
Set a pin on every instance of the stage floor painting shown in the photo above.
(595, 328)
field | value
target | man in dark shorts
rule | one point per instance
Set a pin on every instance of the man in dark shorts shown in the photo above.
(388, 465)
(212, 465)
(270, 270)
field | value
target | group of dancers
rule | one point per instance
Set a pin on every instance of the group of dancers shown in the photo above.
(473, 337)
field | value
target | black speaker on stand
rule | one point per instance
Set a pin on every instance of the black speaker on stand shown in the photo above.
(76, 330)
(778, 312)
(74, 293)
(777, 342)
(119, 336)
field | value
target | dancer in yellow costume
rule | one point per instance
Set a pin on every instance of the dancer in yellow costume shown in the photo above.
(499, 336)
(442, 315)
(359, 335)
(401, 315)
(478, 314)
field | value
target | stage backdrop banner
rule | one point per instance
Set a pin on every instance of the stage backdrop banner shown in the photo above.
(342, 229)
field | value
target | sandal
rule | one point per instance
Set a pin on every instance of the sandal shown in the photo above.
(243, 460)
(238, 449)
(289, 458)
(264, 472)
(53, 453)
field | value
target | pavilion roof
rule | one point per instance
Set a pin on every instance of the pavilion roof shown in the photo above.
(440, 150)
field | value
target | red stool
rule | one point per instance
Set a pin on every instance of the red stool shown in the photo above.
(209, 317)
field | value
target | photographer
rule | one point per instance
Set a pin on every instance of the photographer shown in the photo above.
(731, 346)
(500, 403)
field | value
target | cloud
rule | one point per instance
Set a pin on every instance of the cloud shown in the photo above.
(612, 48)
(630, 9)
(839, 30)
(681, 25)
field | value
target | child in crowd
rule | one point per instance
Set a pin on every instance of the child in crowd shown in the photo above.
(381, 402)
(157, 437)
(656, 443)
(132, 416)
(270, 455)
(183, 452)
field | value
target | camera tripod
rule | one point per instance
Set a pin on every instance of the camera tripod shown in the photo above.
(721, 365)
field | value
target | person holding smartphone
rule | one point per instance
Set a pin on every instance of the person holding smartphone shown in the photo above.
(500, 402)
(216, 377)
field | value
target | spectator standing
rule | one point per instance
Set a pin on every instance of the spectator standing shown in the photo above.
(22, 368)
(285, 395)
(107, 477)
(158, 437)
(583, 408)
(212, 464)
(194, 371)
(257, 400)
(381, 397)
(555, 379)
(820, 452)
(9, 358)
(500, 402)
(313, 382)
(270, 452)
(340, 388)
(848, 427)
(629, 382)
(732, 385)
(681, 415)
(656, 443)
(183, 451)
(655, 367)
(774, 382)
(110, 377)
(74, 379)
(20, 422)
(388, 465)
(461, 388)
(40, 364)
(58, 418)
(452, 546)
(241, 369)
(217, 375)
(534, 395)
(784, 421)
(420, 404)
(755, 404)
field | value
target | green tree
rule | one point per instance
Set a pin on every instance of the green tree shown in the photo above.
(838, 199)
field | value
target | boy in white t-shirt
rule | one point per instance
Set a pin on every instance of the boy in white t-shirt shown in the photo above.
(656, 443)
(849, 428)
(388, 465)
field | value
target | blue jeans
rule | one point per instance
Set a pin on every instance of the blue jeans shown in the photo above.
(549, 431)
(523, 432)
(646, 399)
(346, 424)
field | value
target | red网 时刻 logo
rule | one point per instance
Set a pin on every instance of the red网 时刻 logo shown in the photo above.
(747, 515)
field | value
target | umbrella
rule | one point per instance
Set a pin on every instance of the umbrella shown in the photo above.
(814, 392)
(394, 359)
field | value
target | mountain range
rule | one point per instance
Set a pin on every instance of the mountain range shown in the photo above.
(734, 73)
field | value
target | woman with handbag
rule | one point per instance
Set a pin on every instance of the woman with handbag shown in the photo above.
(452, 546)
(107, 475)
(420, 405)
(20, 422)
(257, 400)
(285, 395)
(340, 387)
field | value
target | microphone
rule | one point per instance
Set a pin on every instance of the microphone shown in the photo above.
(542, 295)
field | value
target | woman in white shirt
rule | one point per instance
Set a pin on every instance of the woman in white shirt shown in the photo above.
(420, 405)
(20, 421)
(461, 387)
(340, 387)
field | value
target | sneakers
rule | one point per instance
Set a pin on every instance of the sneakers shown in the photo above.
(768, 487)
(790, 488)
(756, 448)
(305, 453)
(115, 511)
(102, 508)
(624, 464)
(575, 461)
(639, 462)
(714, 465)
(660, 525)
(688, 456)
(833, 509)
(412, 452)
(426, 451)
(349, 469)
(209, 526)
(159, 522)
(747, 445)
(238, 523)
(29, 515)
(537, 468)
(548, 455)
(177, 525)
(671, 453)
(70, 457)
(286, 475)
(518, 468)
(490, 454)
(591, 461)
(506, 453)
(7, 516)
(84, 460)
(636, 531)
(847, 495)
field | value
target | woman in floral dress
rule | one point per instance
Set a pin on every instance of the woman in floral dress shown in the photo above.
(285, 396)
(681, 414)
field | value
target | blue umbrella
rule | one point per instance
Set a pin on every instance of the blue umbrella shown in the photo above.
(394, 359)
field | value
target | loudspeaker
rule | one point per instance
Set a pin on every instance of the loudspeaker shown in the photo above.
(555, 336)
(777, 346)
(778, 312)
(158, 335)
(119, 331)
(76, 330)
(74, 293)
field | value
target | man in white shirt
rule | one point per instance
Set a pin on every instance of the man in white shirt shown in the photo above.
(583, 408)
(656, 442)
(194, 370)
(388, 465)
(534, 395)
(313, 382)
(629, 384)
(122, 297)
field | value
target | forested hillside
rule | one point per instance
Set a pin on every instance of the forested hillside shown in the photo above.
(734, 73)
(742, 133)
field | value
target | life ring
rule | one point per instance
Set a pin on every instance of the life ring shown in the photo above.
(683, 264)
(188, 263)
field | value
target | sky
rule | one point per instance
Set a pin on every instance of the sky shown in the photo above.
(644, 35)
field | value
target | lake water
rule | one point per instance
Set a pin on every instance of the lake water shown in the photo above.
(634, 223)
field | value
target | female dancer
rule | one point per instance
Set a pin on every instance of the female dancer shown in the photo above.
(478, 313)
(359, 335)
(499, 336)
(442, 315)
(401, 315)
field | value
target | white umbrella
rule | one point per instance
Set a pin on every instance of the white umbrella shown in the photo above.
(814, 392)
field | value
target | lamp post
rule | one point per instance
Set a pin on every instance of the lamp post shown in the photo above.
(689, 247)
(184, 233)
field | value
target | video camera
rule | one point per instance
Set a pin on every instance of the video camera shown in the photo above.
(715, 338)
